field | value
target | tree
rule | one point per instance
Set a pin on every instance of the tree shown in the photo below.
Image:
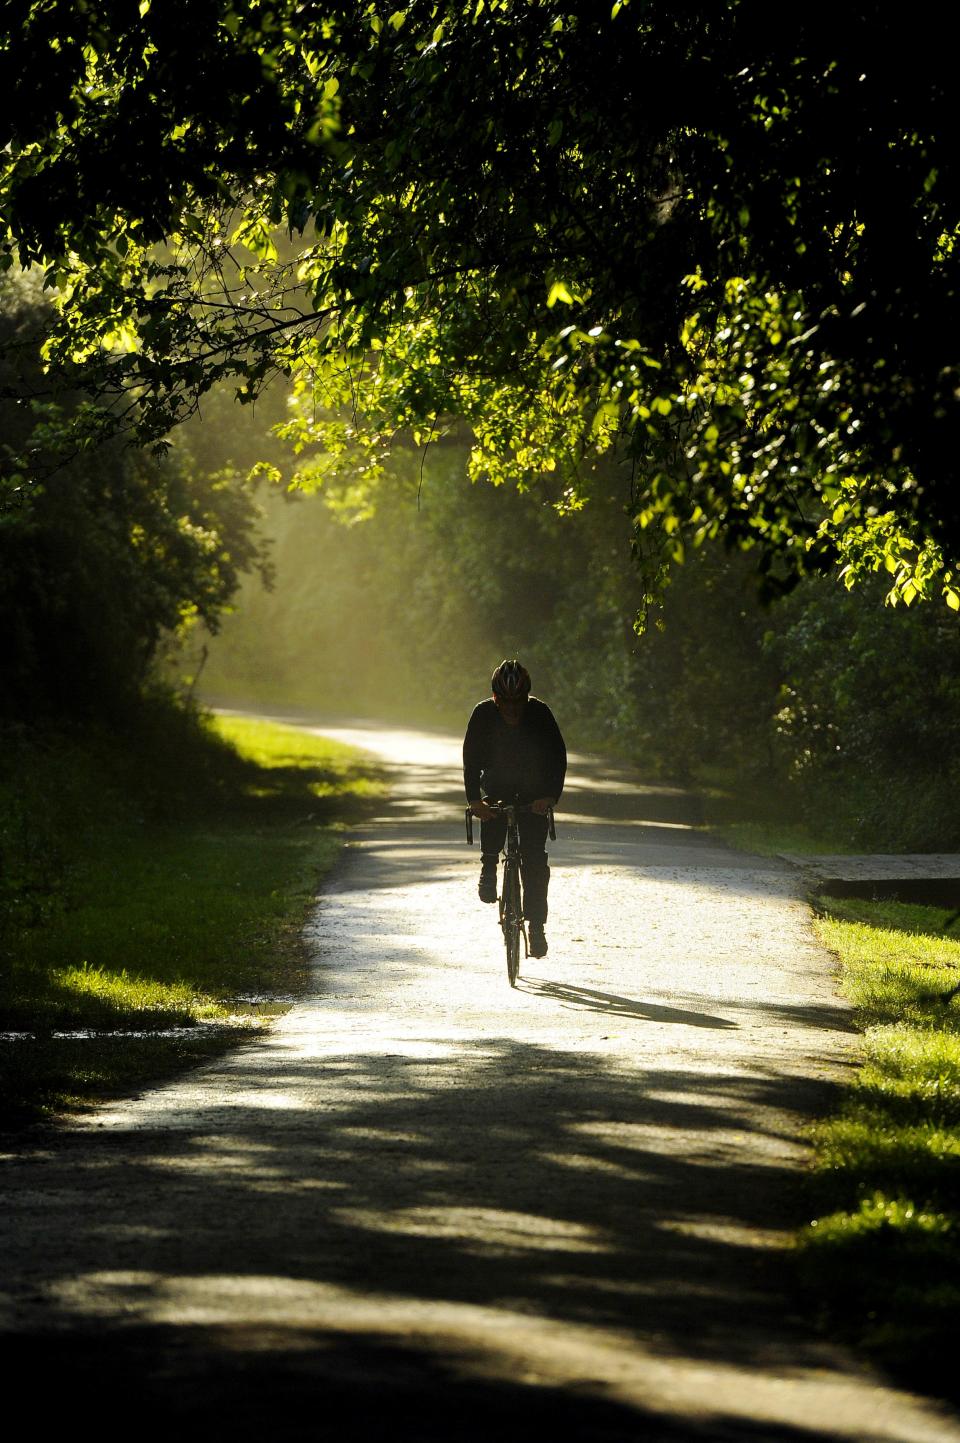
(574, 227)
(108, 554)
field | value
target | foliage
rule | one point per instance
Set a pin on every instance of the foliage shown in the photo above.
(868, 715)
(883, 1254)
(179, 870)
(106, 554)
(567, 224)
(824, 709)
(405, 611)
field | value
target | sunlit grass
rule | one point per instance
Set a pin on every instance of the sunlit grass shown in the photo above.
(899, 917)
(892, 973)
(329, 768)
(172, 896)
(96, 997)
(883, 1256)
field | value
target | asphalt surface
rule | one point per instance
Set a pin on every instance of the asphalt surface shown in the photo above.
(430, 1206)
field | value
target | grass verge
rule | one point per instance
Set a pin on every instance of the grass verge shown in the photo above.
(882, 1257)
(763, 817)
(153, 888)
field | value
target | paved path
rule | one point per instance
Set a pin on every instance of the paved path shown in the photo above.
(430, 1207)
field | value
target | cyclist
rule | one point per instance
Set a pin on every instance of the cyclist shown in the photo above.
(513, 751)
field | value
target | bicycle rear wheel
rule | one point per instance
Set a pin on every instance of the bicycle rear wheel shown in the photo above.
(511, 921)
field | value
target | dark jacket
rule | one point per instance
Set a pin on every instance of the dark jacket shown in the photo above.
(524, 762)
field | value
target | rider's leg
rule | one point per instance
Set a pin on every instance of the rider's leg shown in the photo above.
(536, 880)
(534, 868)
(492, 837)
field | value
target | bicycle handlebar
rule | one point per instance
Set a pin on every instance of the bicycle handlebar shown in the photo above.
(501, 807)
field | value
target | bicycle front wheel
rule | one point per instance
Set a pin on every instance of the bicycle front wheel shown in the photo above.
(512, 923)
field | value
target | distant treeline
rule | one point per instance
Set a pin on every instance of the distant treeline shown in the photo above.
(826, 703)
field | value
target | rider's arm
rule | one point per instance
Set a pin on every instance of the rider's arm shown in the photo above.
(473, 756)
(554, 754)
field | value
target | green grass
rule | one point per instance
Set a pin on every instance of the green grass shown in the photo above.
(882, 1257)
(156, 882)
(768, 839)
(762, 817)
(880, 1262)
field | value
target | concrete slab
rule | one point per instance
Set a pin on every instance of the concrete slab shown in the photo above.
(878, 866)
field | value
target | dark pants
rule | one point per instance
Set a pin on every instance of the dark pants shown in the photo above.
(534, 871)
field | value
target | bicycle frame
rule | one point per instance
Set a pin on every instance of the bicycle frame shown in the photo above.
(511, 913)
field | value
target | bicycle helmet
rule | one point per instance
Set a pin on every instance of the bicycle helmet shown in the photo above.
(510, 680)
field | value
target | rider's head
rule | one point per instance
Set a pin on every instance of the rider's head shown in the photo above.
(511, 687)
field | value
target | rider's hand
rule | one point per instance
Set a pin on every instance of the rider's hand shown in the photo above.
(481, 810)
(542, 806)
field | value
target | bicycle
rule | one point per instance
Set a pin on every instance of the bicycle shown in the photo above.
(511, 907)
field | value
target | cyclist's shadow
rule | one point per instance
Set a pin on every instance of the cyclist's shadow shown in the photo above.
(589, 1000)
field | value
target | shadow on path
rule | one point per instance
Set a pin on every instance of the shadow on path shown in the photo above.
(365, 1173)
(399, 1267)
(238, 1384)
(593, 1001)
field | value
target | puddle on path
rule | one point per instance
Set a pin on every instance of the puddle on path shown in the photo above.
(240, 1007)
(260, 1006)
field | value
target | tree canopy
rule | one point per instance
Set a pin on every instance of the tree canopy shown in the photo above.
(727, 257)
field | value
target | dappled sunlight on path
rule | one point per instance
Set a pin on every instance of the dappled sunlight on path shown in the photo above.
(441, 1208)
